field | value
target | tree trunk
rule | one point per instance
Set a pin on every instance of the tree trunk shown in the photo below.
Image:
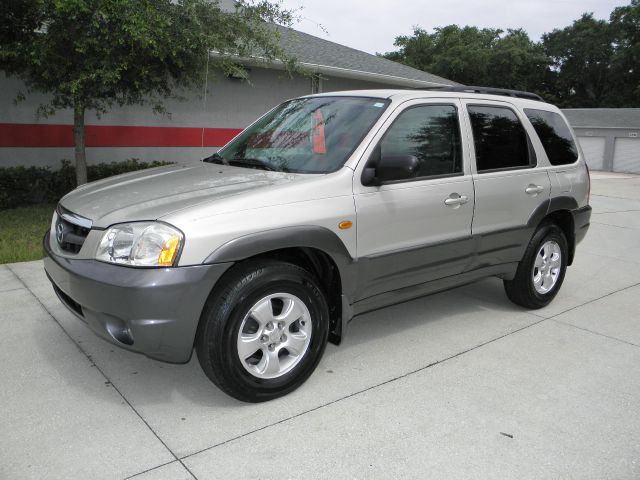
(78, 139)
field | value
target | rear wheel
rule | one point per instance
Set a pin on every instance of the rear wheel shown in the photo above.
(263, 333)
(541, 271)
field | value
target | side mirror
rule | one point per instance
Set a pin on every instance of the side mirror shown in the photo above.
(389, 169)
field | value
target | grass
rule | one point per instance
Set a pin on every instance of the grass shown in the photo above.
(21, 232)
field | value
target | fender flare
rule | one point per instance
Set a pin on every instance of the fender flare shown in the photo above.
(302, 236)
(551, 205)
(555, 204)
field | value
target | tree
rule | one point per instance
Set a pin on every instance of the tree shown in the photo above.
(94, 54)
(625, 65)
(581, 54)
(474, 56)
(453, 52)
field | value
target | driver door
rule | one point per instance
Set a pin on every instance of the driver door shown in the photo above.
(416, 230)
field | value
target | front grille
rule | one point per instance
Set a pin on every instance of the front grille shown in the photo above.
(71, 230)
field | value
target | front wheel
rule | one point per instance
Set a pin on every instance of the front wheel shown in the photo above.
(264, 331)
(541, 271)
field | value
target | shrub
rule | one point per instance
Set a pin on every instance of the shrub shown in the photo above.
(21, 186)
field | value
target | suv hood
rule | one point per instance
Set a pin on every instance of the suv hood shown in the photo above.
(150, 194)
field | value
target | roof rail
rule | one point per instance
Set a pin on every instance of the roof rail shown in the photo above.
(488, 90)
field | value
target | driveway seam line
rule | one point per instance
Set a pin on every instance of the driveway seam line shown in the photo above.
(610, 257)
(400, 377)
(155, 468)
(615, 211)
(609, 196)
(552, 317)
(346, 397)
(94, 364)
(615, 226)
(596, 333)
(372, 387)
(12, 289)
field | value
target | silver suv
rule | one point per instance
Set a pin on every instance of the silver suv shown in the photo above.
(326, 207)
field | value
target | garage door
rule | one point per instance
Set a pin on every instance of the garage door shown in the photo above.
(593, 149)
(626, 156)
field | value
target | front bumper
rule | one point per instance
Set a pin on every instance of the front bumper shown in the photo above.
(154, 311)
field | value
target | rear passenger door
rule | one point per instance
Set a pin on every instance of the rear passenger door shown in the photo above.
(416, 230)
(509, 183)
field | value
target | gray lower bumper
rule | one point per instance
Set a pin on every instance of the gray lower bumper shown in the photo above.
(148, 310)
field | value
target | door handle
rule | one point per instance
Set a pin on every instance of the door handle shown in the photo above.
(533, 189)
(455, 200)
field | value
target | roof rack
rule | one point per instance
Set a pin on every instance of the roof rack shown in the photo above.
(488, 90)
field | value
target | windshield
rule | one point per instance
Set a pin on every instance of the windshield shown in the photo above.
(306, 135)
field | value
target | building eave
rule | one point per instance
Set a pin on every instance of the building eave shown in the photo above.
(313, 68)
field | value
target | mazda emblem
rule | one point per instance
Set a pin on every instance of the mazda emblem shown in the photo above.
(60, 233)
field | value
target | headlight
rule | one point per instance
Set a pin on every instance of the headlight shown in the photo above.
(141, 244)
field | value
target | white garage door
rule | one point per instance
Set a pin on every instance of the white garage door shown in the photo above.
(626, 156)
(593, 149)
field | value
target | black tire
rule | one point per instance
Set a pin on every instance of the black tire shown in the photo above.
(226, 308)
(521, 289)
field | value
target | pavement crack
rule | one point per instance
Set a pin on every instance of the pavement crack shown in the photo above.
(596, 333)
(97, 367)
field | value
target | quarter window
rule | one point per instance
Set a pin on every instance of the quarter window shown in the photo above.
(555, 136)
(431, 133)
(500, 140)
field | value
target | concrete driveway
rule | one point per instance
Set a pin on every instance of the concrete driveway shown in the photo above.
(461, 384)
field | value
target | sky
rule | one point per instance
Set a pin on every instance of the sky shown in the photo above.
(372, 25)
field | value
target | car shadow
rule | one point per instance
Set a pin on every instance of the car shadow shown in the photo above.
(146, 382)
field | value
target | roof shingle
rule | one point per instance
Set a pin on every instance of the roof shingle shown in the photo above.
(311, 50)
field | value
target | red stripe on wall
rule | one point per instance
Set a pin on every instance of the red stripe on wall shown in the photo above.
(42, 135)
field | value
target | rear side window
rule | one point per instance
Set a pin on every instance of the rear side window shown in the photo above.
(431, 133)
(555, 136)
(500, 140)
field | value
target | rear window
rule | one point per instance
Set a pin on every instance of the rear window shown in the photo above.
(555, 136)
(500, 140)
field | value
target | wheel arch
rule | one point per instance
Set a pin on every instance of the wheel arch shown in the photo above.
(558, 210)
(316, 249)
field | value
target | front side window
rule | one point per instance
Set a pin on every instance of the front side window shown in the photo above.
(305, 135)
(500, 140)
(555, 136)
(431, 133)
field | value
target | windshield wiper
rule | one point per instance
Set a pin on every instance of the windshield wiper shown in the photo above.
(253, 163)
(215, 158)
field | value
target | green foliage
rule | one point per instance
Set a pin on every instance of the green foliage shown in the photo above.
(474, 56)
(581, 56)
(21, 232)
(625, 22)
(591, 63)
(94, 54)
(97, 53)
(20, 186)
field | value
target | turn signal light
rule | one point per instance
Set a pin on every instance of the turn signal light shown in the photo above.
(169, 252)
